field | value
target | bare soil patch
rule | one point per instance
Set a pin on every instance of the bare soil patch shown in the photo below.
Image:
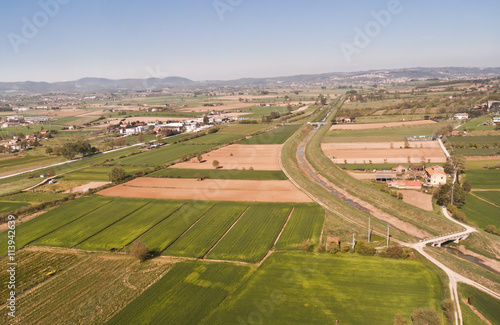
(379, 152)
(418, 199)
(482, 157)
(216, 190)
(237, 156)
(86, 187)
(369, 126)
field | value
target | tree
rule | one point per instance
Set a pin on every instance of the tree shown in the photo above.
(199, 157)
(449, 310)
(198, 176)
(459, 163)
(49, 150)
(140, 138)
(366, 249)
(215, 163)
(139, 250)
(117, 174)
(448, 167)
(321, 248)
(344, 247)
(69, 150)
(425, 316)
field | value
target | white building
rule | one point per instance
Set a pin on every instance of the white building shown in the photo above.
(461, 116)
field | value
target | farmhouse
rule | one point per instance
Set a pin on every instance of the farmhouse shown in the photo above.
(495, 120)
(384, 178)
(408, 185)
(399, 169)
(417, 168)
(346, 120)
(435, 175)
(461, 116)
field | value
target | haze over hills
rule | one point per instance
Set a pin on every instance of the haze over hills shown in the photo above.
(381, 76)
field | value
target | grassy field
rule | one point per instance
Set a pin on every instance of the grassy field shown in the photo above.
(491, 196)
(35, 269)
(481, 213)
(254, 234)
(11, 206)
(475, 152)
(301, 288)
(221, 174)
(186, 295)
(387, 118)
(259, 111)
(205, 234)
(170, 229)
(475, 124)
(96, 173)
(482, 164)
(305, 223)
(276, 136)
(483, 179)
(53, 220)
(89, 292)
(26, 162)
(491, 140)
(379, 135)
(488, 306)
(134, 225)
(243, 129)
(81, 229)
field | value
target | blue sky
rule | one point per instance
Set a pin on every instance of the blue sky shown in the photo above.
(255, 38)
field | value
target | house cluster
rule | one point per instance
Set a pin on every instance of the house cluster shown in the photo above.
(16, 143)
(19, 120)
(432, 176)
(461, 116)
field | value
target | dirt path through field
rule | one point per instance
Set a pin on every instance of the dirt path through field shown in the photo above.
(484, 200)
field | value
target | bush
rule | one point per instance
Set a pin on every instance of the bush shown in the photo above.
(394, 252)
(344, 247)
(399, 320)
(306, 246)
(332, 247)
(366, 249)
(492, 229)
(117, 174)
(321, 248)
(140, 250)
(425, 316)
(459, 215)
(449, 310)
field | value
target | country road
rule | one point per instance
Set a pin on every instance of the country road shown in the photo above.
(454, 277)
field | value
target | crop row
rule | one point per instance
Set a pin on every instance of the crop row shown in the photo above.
(305, 223)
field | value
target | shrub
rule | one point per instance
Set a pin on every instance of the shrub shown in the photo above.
(366, 249)
(140, 250)
(399, 320)
(394, 252)
(117, 174)
(306, 246)
(449, 310)
(425, 316)
(332, 247)
(321, 248)
(344, 247)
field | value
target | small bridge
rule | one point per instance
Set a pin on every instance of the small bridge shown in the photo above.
(456, 237)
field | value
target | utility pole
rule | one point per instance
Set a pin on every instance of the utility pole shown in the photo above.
(353, 241)
(369, 232)
(388, 235)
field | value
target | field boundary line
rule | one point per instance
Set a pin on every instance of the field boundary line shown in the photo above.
(480, 198)
(67, 223)
(152, 227)
(128, 214)
(283, 228)
(203, 215)
(205, 256)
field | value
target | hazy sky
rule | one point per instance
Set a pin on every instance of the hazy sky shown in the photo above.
(57, 40)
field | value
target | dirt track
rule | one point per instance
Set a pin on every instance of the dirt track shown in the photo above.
(369, 126)
(258, 157)
(216, 189)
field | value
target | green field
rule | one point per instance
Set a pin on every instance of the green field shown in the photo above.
(186, 295)
(11, 206)
(305, 223)
(379, 135)
(81, 229)
(491, 196)
(259, 111)
(221, 174)
(243, 129)
(87, 292)
(170, 229)
(484, 179)
(475, 124)
(95, 174)
(128, 229)
(276, 136)
(301, 288)
(481, 164)
(475, 152)
(35, 267)
(491, 140)
(481, 213)
(53, 220)
(488, 306)
(26, 162)
(254, 234)
(205, 234)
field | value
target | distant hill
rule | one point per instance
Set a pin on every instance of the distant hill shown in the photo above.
(382, 76)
